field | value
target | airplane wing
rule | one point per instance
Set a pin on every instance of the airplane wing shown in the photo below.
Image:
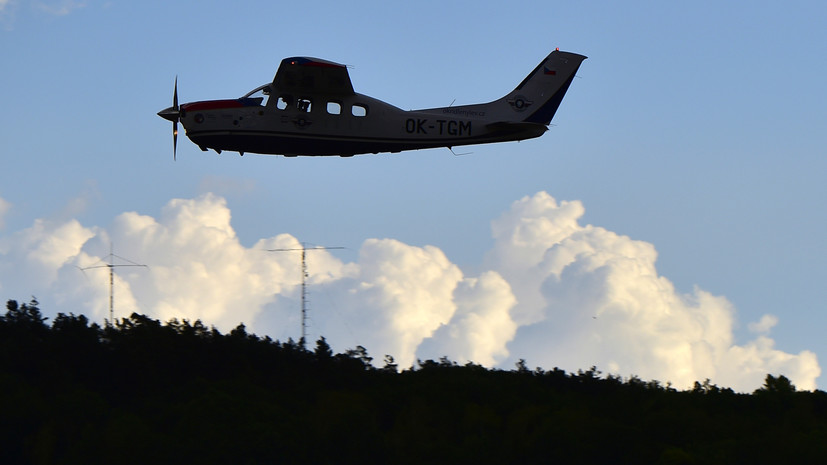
(305, 74)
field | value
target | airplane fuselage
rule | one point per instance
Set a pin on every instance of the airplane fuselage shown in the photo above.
(337, 126)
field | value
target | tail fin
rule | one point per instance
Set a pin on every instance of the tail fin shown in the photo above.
(537, 98)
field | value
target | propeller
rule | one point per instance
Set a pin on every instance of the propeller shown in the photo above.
(173, 113)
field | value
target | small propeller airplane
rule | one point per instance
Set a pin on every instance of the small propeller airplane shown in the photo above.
(311, 109)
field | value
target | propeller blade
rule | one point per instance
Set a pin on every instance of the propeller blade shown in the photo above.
(175, 123)
(173, 114)
(174, 139)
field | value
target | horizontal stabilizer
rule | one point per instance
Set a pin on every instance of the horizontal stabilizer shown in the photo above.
(526, 128)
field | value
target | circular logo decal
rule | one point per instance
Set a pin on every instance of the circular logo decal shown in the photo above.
(519, 103)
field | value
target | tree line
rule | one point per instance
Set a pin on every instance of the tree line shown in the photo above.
(143, 391)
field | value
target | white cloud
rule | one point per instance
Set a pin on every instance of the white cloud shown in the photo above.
(556, 293)
(30, 259)
(522, 236)
(747, 366)
(4, 208)
(764, 325)
(197, 267)
(481, 326)
(589, 297)
(396, 296)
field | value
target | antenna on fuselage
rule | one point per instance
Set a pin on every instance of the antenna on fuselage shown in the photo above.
(111, 265)
(451, 149)
(303, 249)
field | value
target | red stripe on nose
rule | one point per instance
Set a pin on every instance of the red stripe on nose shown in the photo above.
(212, 105)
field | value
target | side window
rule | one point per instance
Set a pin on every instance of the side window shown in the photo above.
(284, 102)
(304, 104)
(359, 110)
(334, 108)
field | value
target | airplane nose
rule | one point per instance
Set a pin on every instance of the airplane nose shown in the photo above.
(169, 114)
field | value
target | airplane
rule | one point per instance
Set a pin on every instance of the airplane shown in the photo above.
(311, 109)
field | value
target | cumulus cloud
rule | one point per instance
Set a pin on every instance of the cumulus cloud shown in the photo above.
(589, 296)
(31, 258)
(481, 325)
(395, 297)
(197, 268)
(554, 292)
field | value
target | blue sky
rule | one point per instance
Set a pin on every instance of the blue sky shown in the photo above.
(694, 128)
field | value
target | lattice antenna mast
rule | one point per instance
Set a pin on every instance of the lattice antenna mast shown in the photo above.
(304, 248)
(111, 265)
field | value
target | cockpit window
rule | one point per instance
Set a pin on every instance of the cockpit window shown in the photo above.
(284, 102)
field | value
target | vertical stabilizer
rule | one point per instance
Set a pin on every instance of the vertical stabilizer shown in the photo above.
(537, 98)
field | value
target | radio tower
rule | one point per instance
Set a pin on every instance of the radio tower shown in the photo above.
(111, 265)
(303, 249)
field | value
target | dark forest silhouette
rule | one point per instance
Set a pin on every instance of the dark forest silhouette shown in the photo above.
(142, 391)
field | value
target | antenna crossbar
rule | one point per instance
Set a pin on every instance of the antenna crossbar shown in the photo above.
(112, 265)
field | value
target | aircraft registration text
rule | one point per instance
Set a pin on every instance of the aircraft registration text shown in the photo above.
(438, 127)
